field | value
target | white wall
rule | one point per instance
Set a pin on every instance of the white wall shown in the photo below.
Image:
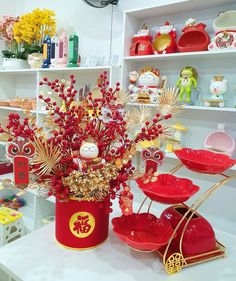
(92, 25)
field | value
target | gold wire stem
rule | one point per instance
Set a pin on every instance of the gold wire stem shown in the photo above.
(192, 209)
(149, 206)
(145, 199)
(175, 169)
(200, 201)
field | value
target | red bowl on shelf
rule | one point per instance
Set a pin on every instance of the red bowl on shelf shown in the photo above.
(204, 161)
(169, 189)
(193, 39)
(143, 232)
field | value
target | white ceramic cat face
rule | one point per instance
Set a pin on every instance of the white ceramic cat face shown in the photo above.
(88, 150)
(148, 79)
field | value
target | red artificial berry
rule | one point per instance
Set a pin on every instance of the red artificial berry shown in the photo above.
(147, 123)
(40, 83)
(117, 84)
(45, 79)
(40, 96)
(158, 115)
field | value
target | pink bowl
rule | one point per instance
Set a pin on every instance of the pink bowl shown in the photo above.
(143, 232)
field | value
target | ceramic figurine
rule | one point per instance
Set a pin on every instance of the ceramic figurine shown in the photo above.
(218, 88)
(194, 37)
(87, 155)
(47, 52)
(88, 150)
(179, 129)
(73, 51)
(54, 51)
(112, 114)
(224, 27)
(141, 43)
(35, 60)
(187, 81)
(63, 51)
(164, 41)
(146, 86)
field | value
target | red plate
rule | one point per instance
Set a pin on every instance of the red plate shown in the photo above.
(143, 232)
(204, 161)
(169, 189)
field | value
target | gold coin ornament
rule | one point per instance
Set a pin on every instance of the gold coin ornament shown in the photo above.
(174, 263)
(82, 224)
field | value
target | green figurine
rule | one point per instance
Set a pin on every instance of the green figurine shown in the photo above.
(187, 80)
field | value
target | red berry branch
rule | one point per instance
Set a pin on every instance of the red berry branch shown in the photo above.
(101, 120)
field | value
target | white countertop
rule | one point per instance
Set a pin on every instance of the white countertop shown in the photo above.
(37, 257)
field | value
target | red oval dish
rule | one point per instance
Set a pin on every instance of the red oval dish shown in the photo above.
(143, 232)
(204, 161)
(169, 189)
(193, 39)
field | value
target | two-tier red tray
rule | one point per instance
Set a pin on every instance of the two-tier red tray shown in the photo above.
(143, 232)
(204, 161)
(168, 189)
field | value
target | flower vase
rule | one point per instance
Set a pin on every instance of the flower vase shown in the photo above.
(80, 224)
(14, 63)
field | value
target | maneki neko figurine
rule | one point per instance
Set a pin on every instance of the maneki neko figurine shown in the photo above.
(224, 27)
(165, 39)
(141, 43)
(146, 86)
(186, 82)
(218, 88)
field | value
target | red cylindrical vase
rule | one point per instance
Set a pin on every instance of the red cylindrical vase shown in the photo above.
(81, 225)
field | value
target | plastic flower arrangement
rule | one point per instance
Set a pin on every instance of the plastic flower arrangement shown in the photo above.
(31, 29)
(6, 32)
(87, 151)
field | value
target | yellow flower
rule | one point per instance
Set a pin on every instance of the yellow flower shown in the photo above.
(32, 27)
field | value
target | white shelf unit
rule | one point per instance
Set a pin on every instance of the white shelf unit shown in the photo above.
(35, 209)
(200, 120)
(24, 83)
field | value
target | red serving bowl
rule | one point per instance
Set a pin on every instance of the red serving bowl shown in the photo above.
(169, 189)
(143, 232)
(204, 161)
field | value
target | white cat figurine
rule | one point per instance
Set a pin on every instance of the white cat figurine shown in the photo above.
(88, 150)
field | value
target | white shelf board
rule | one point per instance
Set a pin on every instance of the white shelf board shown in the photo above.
(218, 109)
(70, 69)
(43, 112)
(189, 107)
(221, 54)
(64, 69)
(19, 71)
(10, 108)
(179, 6)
